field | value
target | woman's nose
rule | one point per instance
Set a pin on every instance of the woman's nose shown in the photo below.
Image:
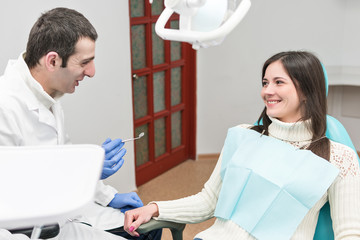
(269, 89)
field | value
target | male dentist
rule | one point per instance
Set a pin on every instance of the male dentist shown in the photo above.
(60, 53)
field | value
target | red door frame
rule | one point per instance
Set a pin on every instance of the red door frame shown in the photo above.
(187, 150)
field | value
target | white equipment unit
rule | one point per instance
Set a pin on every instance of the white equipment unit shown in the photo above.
(45, 184)
(203, 23)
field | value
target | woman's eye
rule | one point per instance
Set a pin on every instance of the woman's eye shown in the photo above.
(279, 82)
(264, 83)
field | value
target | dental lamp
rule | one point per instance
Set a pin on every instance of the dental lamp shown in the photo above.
(203, 23)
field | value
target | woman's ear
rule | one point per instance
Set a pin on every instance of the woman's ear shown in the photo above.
(52, 61)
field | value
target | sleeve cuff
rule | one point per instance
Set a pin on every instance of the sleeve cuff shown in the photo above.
(104, 193)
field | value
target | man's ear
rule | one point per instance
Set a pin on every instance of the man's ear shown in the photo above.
(52, 61)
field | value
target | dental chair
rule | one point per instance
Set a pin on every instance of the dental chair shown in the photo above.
(44, 185)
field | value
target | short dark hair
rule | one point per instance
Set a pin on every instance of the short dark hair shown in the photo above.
(57, 30)
(307, 74)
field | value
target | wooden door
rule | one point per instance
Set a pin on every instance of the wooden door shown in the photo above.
(164, 85)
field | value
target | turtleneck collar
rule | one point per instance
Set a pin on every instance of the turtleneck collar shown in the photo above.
(298, 131)
(34, 86)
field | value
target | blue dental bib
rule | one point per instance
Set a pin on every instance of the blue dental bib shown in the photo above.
(269, 185)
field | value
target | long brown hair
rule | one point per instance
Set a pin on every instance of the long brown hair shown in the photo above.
(306, 72)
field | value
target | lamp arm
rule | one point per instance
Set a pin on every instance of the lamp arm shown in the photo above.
(197, 36)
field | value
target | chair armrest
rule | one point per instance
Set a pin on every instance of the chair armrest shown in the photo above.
(175, 228)
(47, 231)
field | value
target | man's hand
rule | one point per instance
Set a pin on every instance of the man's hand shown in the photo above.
(113, 157)
(126, 201)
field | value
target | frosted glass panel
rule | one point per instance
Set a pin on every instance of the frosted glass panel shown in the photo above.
(140, 97)
(142, 145)
(137, 8)
(160, 137)
(157, 7)
(175, 47)
(138, 46)
(159, 91)
(175, 86)
(157, 48)
(176, 129)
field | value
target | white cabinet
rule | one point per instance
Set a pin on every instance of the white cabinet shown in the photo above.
(343, 75)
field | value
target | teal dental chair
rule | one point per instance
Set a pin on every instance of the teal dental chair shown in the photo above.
(337, 133)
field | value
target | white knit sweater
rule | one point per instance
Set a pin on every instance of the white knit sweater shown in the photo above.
(343, 195)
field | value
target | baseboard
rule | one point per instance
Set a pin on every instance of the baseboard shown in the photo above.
(208, 156)
(216, 156)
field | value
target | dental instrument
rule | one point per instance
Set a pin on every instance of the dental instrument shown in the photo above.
(133, 139)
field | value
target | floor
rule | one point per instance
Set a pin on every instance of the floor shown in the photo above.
(185, 179)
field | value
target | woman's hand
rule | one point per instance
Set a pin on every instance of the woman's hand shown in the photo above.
(134, 218)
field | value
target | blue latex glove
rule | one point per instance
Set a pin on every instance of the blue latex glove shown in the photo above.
(126, 201)
(113, 157)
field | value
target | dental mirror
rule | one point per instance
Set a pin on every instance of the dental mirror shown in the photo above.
(132, 139)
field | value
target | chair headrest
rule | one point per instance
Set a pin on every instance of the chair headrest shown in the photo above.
(326, 79)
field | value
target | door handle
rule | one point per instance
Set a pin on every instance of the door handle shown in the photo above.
(135, 76)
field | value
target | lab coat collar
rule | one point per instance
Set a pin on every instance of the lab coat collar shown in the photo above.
(34, 86)
(23, 85)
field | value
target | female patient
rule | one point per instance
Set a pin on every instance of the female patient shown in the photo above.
(294, 95)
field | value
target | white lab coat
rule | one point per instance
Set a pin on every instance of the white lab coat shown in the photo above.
(29, 116)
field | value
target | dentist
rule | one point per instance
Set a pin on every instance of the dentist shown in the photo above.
(60, 53)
